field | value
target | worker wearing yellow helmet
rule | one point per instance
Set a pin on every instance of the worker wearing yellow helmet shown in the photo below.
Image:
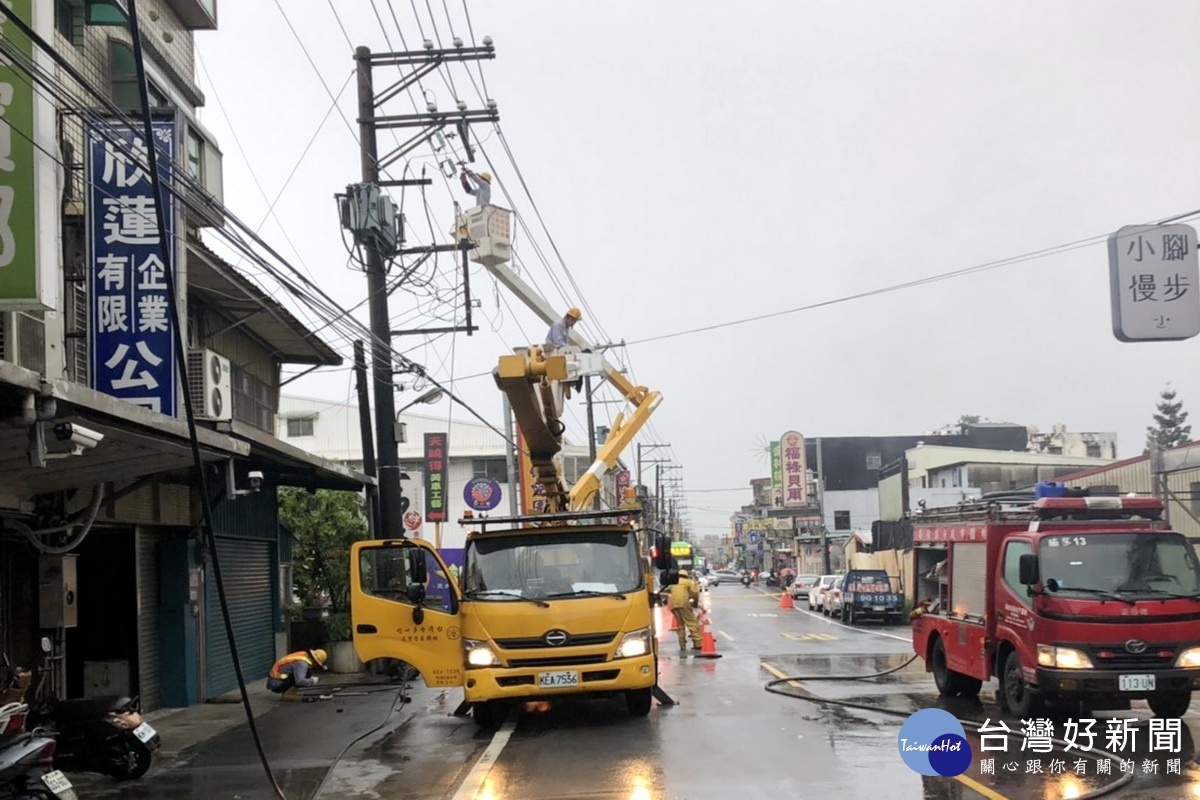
(559, 335)
(480, 185)
(684, 595)
(295, 670)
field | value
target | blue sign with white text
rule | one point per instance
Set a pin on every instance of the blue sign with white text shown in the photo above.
(131, 347)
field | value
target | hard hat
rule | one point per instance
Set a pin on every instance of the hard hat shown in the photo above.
(574, 312)
(319, 656)
(487, 176)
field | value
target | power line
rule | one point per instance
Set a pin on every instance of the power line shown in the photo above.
(958, 273)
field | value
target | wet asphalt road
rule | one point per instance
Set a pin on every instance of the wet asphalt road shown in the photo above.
(727, 737)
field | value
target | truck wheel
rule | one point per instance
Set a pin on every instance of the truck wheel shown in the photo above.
(486, 714)
(949, 682)
(1019, 697)
(1170, 705)
(638, 701)
(851, 617)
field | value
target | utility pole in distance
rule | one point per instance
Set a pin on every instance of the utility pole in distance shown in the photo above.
(371, 216)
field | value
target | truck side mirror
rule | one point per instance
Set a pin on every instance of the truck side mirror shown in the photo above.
(1027, 569)
(417, 570)
(662, 552)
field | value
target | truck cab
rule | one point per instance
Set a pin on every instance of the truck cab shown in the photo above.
(537, 613)
(867, 594)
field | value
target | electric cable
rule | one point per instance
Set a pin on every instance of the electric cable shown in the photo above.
(181, 367)
(400, 700)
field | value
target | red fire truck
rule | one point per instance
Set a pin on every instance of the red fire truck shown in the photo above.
(1085, 602)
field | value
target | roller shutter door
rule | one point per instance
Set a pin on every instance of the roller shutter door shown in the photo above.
(247, 571)
(149, 632)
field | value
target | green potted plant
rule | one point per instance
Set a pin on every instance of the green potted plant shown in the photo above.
(324, 525)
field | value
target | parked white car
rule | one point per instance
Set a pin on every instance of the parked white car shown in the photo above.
(816, 595)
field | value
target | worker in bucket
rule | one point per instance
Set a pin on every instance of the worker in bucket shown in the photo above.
(295, 670)
(684, 596)
(478, 184)
(559, 335)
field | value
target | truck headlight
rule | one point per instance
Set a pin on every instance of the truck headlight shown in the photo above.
(480, 654)
(1189, 658)
(1062, 657)
(635, 643)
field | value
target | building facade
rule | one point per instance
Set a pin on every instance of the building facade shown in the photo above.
(101, 545)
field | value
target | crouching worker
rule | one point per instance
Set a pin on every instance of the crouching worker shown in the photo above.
(295, 670)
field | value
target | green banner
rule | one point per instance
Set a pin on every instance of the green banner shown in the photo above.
(18, 228)
(776, 465)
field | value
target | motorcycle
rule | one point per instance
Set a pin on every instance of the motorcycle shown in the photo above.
(26, 759)
(746, 581)
(97, 734)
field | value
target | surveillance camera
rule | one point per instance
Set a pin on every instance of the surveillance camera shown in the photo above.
(256, 479)
(77, 435)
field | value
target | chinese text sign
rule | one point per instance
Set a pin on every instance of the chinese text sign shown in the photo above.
(131, 345)
(1153, 274)
(435, 477)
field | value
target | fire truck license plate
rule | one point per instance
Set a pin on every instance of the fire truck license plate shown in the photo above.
(555, 680)
(1136, 683)
(56, 782)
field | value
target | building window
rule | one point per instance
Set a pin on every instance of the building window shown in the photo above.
(1093, 450)
(68, 21)
(874, 461)
(494, 468)
(300, 426)
(123, 82)
(841, 520)
(195, 155)
(1195, 495)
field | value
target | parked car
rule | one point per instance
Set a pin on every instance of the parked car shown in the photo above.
(803, 584)
(832, 606)
(869, 593)
(816, 595)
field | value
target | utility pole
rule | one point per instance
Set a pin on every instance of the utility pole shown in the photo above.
(371, 216)
(647, 447)
(368, 447)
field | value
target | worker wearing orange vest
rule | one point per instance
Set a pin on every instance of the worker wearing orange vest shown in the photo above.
(295, 669)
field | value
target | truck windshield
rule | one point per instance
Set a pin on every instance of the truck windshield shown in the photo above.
(1153, 564)
(581, 564)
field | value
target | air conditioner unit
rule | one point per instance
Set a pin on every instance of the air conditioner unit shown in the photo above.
(210, 385)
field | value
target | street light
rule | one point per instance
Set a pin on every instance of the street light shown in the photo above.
(432, 396)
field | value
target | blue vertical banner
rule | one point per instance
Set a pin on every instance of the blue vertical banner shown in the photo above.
(131, 347)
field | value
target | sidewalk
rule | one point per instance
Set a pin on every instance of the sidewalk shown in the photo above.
(207, 751)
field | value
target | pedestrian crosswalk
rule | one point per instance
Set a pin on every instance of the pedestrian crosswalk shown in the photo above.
(820, 637)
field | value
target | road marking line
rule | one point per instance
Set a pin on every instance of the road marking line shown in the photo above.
(473, 783)
(828, 621)
(779, 674)
(809, 636)
(726, 635)
(976, 786)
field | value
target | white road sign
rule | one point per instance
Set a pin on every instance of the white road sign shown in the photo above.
(1154, 278)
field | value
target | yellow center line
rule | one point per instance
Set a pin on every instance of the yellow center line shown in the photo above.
(976, 786)
(771, 668)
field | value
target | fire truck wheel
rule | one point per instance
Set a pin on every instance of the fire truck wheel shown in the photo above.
(1170, 705)
(949, 682)
(1019, 698)
(486, 714)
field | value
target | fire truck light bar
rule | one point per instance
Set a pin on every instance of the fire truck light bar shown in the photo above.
(1132, 504)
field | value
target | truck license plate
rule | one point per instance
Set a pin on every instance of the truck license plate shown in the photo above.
(1136, 683)
(556, 680)
(144, 733)
(58, 783)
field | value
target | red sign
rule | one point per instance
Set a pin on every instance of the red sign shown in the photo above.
(622, 485)
(412, 521)
(795, 470)
(951, 533)
(435, 476)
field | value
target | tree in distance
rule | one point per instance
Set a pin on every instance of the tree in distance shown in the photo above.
(1170, 429)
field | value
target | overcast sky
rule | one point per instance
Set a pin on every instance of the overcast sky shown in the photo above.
(704, 162)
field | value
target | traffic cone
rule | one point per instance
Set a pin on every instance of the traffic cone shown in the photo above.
(708, 645)
(785, 600)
